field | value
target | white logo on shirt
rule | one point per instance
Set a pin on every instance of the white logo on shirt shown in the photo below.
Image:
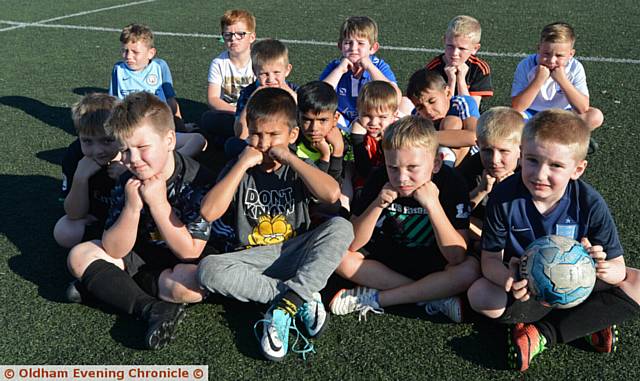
(342, 91)
(152, 79)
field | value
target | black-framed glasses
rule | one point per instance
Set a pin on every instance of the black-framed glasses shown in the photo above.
(228, 36)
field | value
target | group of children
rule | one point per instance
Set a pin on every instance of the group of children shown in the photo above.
(414, 198)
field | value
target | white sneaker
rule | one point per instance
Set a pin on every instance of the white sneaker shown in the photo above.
(450, 307)
(359, 299)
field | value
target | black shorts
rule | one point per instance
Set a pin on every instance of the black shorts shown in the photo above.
(151, 258)
(415, 263)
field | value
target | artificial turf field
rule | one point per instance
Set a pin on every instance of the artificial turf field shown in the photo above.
(54, 52)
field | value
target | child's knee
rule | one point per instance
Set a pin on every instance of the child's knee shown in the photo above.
(350, 264)
(81, 256)
(180, 285)
(484, 300)
(211, 272)
(68, 233)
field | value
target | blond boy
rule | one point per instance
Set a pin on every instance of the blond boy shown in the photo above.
(548, 198)
(358, 43)
(410, 225)
(464, 72)
(554, 78)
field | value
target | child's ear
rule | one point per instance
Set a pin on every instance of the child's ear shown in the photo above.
(374, 48)
(288, 70)
(336, 118)
(475, 49)
(170, 139)
(152, 53)
(437, 162)
(293, 134)
(448, 91)
(580, 168)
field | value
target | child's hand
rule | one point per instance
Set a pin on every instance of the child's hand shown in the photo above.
(427, 194)
(462, 71)
(387, 196)
(280, 154)
(518, 288)
(132, 196)
(357, 128)
(322, 146)
(154, 191)
(505, 176)
(87, 167)
(451, 72)
(558, 74)
(334, 137)
(486, 182)
(115, 169)
(543, 72)
(600, 257)
(250, 157)
(345, 65)
(365, 63)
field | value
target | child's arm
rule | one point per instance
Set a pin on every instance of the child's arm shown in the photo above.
(175, 107)
(334, 76)
(240, 125)
(524, 99)
(214, 90)
(579, 102)
(364, 224)
(485, 186)
(216, 202)
(456, 138)
(76, 204)
(451, 241)
(319, 183)
(171, 228)
(461, 80)
(612, 271)
(119, 239)
(376, 75)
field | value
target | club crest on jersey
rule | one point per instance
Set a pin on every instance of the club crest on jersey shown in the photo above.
(152, 79)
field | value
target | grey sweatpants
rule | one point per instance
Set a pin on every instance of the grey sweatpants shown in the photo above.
(263, 273)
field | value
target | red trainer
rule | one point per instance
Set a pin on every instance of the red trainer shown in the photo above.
(525, 342)
(604, 341)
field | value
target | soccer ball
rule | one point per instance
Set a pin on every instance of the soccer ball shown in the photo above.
(560, 272)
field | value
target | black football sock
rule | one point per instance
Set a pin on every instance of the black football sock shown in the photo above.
(115, 287)
(290, 303)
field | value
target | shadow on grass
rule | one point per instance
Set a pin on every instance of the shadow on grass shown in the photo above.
(33, 203)
(486, 346)
(53, 156)
(241, 318)
(59, 117)
(88, 90)
(191, 110)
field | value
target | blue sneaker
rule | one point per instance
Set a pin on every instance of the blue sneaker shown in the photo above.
(313, 315)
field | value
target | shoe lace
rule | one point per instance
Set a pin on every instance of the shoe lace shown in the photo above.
(366, 308)
(280, 329)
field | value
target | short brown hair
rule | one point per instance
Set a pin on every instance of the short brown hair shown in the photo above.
(233, 16)
(558, 32)
(268, 50)
(271, 103)
(359, 26)
(422, 80)
(137, 32)
(466, 26)
(90, 113)
(500, 124)
(137, 108)
(410, 131)
(377, 95)
(559, 126)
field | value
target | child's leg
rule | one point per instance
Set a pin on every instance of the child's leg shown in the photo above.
(190, 144)
(631, 284)
(369, 272)
(601, 310)
(180, 285)
(68, 232)
(487, 298)
(593, 117)
(453, 280)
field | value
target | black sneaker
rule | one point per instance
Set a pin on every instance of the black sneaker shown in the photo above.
(73, 293)
(162, 320)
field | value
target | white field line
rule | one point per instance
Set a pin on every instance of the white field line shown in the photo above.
(22, 25)
(39, 24)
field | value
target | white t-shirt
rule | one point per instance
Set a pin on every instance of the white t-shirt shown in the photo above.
(230, 78)
(550, 95)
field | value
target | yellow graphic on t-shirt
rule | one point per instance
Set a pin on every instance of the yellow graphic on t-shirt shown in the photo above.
(271, 230)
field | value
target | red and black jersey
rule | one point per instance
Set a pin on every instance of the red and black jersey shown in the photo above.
(478, 78)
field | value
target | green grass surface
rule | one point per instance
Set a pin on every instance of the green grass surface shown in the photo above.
(45, 70)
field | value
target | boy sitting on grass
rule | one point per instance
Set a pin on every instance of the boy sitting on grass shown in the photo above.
(410, 225)
(549, 198)
(154, 222)
(90, 169)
